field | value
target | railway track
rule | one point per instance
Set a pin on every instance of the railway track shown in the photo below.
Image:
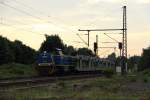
(33, 82)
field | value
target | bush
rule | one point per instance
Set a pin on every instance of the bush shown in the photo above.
(146, 72)
(146, 79)
(108, 72)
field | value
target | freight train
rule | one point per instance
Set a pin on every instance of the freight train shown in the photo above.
(48, 64)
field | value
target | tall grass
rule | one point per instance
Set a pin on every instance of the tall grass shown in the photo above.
(16, 70)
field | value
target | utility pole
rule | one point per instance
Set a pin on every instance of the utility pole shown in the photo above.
(88, 38)
(97, 44)
(124, 40)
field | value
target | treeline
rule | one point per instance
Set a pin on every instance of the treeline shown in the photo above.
(15, 52)
(135, 63)
(145, 59)
(142, 62)
(54, 41)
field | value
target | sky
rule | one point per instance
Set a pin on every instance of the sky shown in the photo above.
(29, 20)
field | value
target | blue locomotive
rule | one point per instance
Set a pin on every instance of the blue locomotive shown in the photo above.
(49, 64)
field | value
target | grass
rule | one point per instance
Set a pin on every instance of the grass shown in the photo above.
(115, 88)
(16, 70)
(130, 87)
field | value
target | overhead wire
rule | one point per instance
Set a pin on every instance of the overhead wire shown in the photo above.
(50, 17)
(27, 6)
(29, 14)
(111, 38)
(82, 39)
(19, 10)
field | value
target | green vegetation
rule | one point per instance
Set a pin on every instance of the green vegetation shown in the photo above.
(15, 52)
(115, 88)
(54, 41)
(16, 59)
(145, 59)
(16, 70)
(108, 72)
(51, 43)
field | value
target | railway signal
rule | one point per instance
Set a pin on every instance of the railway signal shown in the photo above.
(120, 47)
(123, 45)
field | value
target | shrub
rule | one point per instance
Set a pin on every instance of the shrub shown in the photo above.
(146, 72)
(145, 79)
(108, 72)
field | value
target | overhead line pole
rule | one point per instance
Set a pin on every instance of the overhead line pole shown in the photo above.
(97, 44)
(124, 38)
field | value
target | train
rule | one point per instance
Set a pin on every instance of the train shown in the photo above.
(50, 64)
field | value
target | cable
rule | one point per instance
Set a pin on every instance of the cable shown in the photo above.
(20, 10)
(27, 6)
(104, 52)
(82, 39)
(24, 12)
(108, 42)
(42, 13)
(111, 38)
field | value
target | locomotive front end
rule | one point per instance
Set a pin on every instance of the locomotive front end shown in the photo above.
(45, 64)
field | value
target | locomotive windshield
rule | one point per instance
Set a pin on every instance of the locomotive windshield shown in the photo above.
(44, 58)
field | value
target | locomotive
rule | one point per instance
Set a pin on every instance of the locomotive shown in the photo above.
(49, 64)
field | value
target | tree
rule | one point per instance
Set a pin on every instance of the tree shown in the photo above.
(15, 52)
(6, 55)
(85, 51)
(70, 50)
(51, 43)
(145, 59)
(112, 57)
(133, 61)
(23, 54)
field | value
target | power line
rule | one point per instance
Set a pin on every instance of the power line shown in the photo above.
(27, 6)
(108, 42)
(82, 39)
(21, 11)
(24, 12)
(111, 38)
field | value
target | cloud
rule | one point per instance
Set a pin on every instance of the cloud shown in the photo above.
(144, 1)
(1, 1)
(98, 1)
